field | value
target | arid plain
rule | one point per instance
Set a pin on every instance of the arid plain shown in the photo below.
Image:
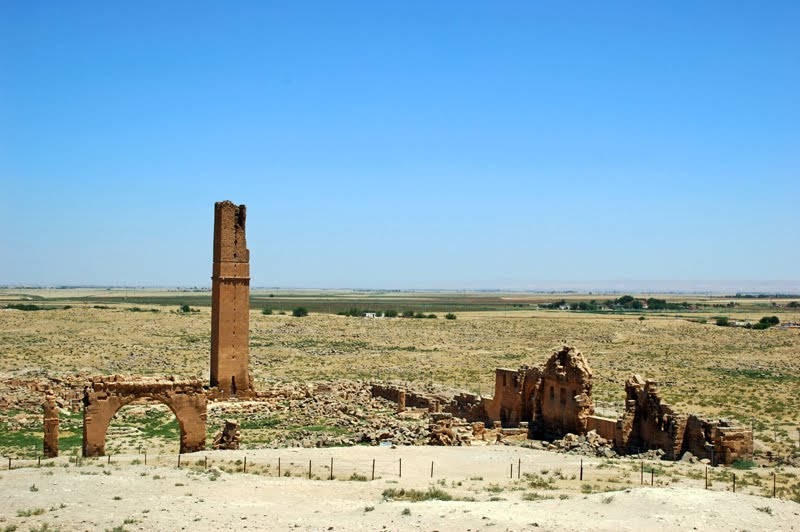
(749, 375)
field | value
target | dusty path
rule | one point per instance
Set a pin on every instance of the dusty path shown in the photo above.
(98, 496)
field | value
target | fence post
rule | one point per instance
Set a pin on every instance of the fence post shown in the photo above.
(145, 458)
(581, 469)
(373, 469)
(205, 464)
(431, 468)
(734, 482)
(331, 467)
(706, 477)
(309, 470)
(401, 468)
(773, 484)
(279, 466)
(179, 460)
(109, 459)
(641, 474)
(245, 464)
(511, 472)
(519, 467)
(9, 463)
(39, 460)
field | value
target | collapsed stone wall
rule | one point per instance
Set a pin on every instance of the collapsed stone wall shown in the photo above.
(649, 422)
(105, 395)
(556, 400)
(519, 396)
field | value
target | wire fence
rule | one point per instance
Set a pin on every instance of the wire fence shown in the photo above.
(337, 468)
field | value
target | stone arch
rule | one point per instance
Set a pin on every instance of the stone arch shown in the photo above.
(104, 396)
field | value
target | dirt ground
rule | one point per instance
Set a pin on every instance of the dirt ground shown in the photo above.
(127, 495)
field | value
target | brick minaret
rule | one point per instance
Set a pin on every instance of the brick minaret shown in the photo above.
(230, 301)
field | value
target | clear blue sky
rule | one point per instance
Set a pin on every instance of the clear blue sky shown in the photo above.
(400, 144)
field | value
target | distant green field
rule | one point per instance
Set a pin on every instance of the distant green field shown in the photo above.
(333, 302)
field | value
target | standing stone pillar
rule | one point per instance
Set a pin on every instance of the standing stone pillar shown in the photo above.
(401, 400)
(230, 301)
(51, 421)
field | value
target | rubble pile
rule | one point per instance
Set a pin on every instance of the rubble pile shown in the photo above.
(228, 438)
(589, 445)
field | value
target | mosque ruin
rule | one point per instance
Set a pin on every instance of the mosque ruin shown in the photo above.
(544, 402)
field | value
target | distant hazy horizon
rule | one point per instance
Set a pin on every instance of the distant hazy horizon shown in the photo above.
(709, 287)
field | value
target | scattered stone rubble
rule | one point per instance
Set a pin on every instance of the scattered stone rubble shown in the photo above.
(228, 438)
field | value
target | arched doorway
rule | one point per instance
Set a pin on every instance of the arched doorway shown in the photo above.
(104, 396)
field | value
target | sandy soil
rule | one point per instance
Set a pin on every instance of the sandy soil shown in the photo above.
(98, 496)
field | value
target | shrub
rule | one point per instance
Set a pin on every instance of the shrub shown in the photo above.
(266, 311)
(722, 321)
(300, 312)
(419, 315)
(408, 314)
(770, 320)
(449, 316)
(431, 316)
(413, 495)
(390, 313)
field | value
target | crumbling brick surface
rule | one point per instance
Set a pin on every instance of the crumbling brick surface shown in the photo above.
(556, 400)
(51, 422)
(650, 423)
(229, 437)
(230, 302)
(105, 395)
(565, 394)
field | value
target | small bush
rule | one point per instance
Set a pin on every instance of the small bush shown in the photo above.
(413, 495)
(266, 311)
(431, 316)
(722, 321)
(389, 313)
(534, 496)
(449, 316)
(408, 314)
(30, 512)
(300, 312)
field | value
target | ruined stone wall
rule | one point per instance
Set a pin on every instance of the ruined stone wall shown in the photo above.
(721, 441)
(514, 396)
(230, 301)
(604, 427)
(104, 396)
(51, 422)
(650, 423)
(565, 394)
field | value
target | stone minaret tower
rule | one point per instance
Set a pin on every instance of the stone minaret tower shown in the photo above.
(230, 301)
